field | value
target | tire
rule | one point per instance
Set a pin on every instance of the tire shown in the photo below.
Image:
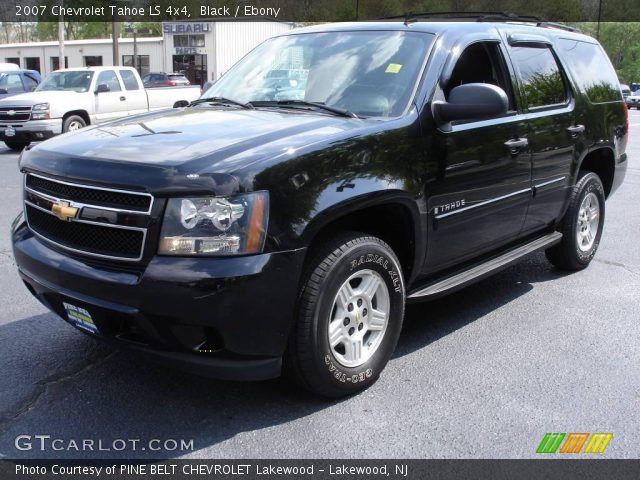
(372, 321)
(17, 146)
(72, 123)
(580, 237)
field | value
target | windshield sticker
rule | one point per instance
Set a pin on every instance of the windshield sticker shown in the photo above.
(393, 68)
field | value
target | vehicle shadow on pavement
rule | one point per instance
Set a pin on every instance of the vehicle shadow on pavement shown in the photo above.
(67, 385)
(427, 322)
(6, 152)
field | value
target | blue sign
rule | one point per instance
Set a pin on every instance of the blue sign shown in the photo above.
(182, 27)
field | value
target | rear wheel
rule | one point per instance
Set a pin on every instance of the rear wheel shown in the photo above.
(73, 123)
(17, 146)
(349, 317)
(581, 226)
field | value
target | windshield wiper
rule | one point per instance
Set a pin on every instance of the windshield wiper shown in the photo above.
(221, 101)
(302, 103)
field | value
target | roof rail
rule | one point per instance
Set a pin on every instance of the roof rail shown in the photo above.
(411, 17)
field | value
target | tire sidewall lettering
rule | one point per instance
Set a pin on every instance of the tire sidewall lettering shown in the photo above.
(375, 259)
(384, 262)
(596, 188)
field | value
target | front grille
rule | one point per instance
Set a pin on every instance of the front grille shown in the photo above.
(15, 114)
(91, 221)
(106, 241)
(94, 196)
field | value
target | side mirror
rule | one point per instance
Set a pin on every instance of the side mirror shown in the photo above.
(473, 101)
(102, 88)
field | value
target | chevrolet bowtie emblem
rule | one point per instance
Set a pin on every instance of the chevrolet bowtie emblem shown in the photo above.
(63, 211)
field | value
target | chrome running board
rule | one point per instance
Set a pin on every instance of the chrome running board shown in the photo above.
(478, 272)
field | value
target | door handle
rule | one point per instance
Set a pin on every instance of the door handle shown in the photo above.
(575, 130)
(516, 144)
(122, 99)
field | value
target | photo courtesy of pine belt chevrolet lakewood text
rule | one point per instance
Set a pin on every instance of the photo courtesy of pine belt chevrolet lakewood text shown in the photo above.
(280, 222)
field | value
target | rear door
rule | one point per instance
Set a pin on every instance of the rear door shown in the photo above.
(553, 130)
(479, 198)
(111, 104)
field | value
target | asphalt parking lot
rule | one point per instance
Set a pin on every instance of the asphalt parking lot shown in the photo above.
(484, 373)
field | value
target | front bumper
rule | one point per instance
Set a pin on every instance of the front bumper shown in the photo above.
(226, 318)
(31, 131)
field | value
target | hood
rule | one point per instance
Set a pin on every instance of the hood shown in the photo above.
(32, 98)
(168, 150)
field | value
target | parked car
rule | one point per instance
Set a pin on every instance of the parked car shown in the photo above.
(73, 98)
(162, 79)
(7, 67)
(13, 82)
(243, 235)
(633, 99)
(626, 91)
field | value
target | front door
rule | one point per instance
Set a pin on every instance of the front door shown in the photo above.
(479, 196)
(112, 103)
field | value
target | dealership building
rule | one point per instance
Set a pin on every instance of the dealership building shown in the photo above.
(202, 50)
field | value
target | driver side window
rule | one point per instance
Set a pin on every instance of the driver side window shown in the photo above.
(481, 62)
(109, 78)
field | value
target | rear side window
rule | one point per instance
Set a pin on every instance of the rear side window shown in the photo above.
(129, 80)
(542, 82)
(591, 70)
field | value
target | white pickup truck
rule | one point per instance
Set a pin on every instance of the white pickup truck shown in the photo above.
(73, 98)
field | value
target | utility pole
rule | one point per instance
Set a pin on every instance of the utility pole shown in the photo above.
(599, 17)
(115, 33)
(61, 63)
(135, 49)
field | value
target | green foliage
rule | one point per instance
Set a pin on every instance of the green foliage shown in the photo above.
(602, 92)
(544, 89)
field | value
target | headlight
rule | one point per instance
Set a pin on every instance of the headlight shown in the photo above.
(40, 111)
(215, 225)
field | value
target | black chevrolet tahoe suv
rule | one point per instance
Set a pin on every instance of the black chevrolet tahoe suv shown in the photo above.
(272, 227)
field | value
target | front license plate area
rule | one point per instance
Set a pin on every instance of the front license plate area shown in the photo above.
(80, 317)
(10, 132)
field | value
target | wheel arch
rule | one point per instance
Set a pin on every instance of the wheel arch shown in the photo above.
(81, 113)
(600, 161)
(393, 217)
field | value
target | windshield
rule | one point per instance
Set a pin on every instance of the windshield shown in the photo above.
(78, 81)
(370, 73)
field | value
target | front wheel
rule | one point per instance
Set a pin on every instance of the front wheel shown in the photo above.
(16, 146)
(73, 123)
(349, 316)
(581, 226)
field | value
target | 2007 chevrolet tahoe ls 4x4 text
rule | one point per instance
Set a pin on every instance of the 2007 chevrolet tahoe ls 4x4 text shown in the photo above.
(275, 225)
